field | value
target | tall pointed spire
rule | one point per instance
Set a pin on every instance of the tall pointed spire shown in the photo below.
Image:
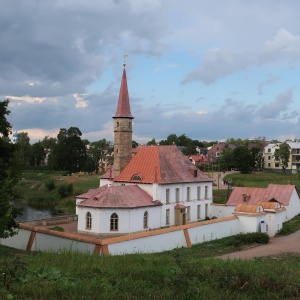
(123, 109)
(122, 128)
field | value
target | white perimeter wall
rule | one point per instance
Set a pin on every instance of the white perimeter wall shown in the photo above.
(155, 243)
(221, 211)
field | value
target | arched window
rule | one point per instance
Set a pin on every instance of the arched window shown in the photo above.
(136, 177)
(88, 219)
(146, 219)
(114, 222)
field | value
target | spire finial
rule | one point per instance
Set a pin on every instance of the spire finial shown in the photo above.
(124, 64)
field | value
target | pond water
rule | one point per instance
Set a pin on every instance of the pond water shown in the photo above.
(34, 213)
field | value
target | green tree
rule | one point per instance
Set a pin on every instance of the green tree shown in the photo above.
(171, 140)
(243, 159)
(23, 146)
(225, 161)
(48, 142)
(69, 153)
(37, 154)
(9, 175)
(134, 144)
(152, 142)
(284, 155)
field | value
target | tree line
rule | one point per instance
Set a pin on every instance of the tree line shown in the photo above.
(67, 152)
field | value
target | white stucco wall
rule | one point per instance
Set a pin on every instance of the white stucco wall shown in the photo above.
(293, 208)
(44, 242)
(222, 211)
(155, 243)
(18, 241)
(213, 231)
(129, 220)
(274, 222)
(250, 223)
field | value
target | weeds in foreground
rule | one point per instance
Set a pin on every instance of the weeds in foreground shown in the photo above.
(179, 274)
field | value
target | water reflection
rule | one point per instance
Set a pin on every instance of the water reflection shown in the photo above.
(34, 213)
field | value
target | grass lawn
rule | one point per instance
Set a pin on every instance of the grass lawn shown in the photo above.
(178, 274)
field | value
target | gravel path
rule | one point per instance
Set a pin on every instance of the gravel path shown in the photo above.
(277, 245)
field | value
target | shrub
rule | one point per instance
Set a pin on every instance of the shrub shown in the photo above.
(65, 190)
(42, 200)
(42, 188)
(50, 184)
(248, 238)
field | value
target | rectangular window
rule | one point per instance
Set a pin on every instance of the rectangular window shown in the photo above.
(276, 165)
(177, 195)
(206, 210)
(167, 196)
(269, 157)
(167, 216)
(189, 213)
(198, 192)
(269, 165)
(198, 212)
(206, 192)
(188, 192)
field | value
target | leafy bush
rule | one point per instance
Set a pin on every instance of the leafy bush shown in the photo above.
(290, 226)
(246, 239)
(42, 200)
(42, 188)
(19, 189)
(50, 184)
(65, 190)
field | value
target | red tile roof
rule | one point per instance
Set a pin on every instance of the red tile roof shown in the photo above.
(123, 109)
(161, 164)
(130, 196)
(278, 192)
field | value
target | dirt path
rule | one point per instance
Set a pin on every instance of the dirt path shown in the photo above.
(277, 245)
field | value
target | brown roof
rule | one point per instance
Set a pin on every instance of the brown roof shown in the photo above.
(161, 164)
(123, 109)
(274, 192)
(269, 205)
(130, 196)
(247, 208)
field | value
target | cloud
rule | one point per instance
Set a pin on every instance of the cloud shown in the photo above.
(218, 63)
(266, 82)
(81, 103)
(275, 108)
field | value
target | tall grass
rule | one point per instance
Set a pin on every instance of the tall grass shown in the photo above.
(177, 274)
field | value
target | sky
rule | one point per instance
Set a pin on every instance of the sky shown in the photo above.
(211, 70)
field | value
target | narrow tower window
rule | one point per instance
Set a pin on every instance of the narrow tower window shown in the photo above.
(146, 219)
(114, 220)
(88, 220)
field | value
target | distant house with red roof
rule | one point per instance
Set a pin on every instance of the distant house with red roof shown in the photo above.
(198, 159)
(154, 187)
(269, 206)
(286, 195)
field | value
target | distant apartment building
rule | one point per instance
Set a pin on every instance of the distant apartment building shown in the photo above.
(272, 161)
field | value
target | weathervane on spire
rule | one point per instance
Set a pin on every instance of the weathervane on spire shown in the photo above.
(125, 56)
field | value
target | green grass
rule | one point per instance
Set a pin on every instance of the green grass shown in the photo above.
(262, 179)
(178, 274)
(290, 226)
(45, 189)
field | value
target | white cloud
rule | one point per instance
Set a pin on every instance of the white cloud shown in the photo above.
(80, 101)
(27, 99)
(218, 63)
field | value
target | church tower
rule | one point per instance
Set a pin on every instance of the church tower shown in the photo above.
(122, 128)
